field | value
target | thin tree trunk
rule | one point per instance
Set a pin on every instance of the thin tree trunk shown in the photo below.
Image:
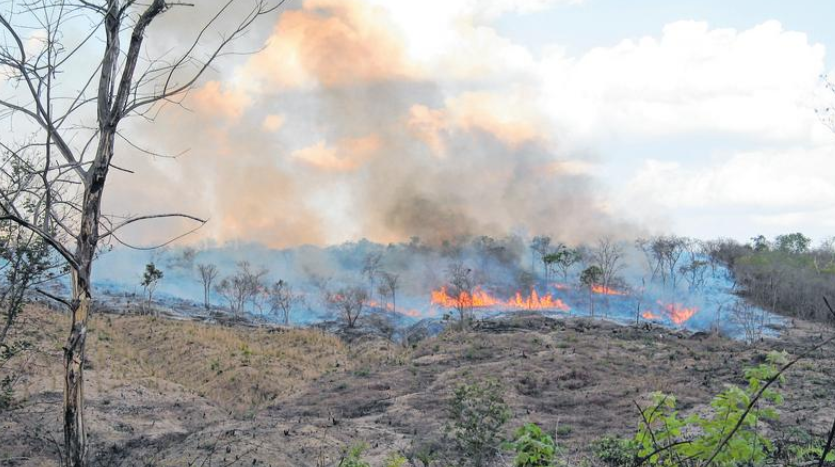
(591, 302)
(75, 435)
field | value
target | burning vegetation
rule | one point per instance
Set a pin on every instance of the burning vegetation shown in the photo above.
(670, 280)
(481, 299)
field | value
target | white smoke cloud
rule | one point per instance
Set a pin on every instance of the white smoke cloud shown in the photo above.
(376, 118)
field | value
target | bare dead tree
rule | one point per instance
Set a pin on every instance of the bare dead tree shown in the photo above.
(609, 257)
(348, 302)
(372, 265)
(281, 299)
(390, 284)
(750, 318)
(242, 288)
(663, 254)
(52, 117)
(207, 273)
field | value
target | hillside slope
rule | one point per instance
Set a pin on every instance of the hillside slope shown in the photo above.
(172, 393)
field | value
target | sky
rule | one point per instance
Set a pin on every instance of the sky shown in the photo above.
(386, 119)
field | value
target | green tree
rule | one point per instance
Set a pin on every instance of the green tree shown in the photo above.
(591, 277)
(759, 243)
(150, 281)
(795, 243)
(563, 259)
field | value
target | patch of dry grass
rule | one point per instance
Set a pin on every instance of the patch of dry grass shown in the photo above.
(239, 368)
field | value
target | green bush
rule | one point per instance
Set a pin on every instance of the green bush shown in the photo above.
(395, 460)
(615, 452)
(533, 447)
(477, 413)
(353, 456)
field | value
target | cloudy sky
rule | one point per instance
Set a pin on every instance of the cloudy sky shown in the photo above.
(391, 118)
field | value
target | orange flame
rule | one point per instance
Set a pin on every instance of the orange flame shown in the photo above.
(599, 289)
(650, 315)
(535, 302)
(678, 313)
(478, 299)
(675, 312)
(389, 307)
(560, 286)
(481, 299)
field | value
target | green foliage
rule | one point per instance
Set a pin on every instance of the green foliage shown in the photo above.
(150, 280)
(25, 260)
(395, 460)
(151, 275)
(662, 432)
(799, 454)
(591, 275)
(533, 447)
(477, 413)
(353, 456)
(6, 393)
(7, 352)
(795, 243)
(615, 452)
(562, 258)
(759, 243)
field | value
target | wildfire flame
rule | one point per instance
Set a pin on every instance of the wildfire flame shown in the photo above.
(535, 302)
(601, 290)
(675, 312)
(478, 299)
(389, 307)
(678, 313)
(481, 299)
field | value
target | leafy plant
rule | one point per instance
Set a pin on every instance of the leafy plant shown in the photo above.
(395, 460)
(477, 413)
(533, 447)
(7, 352)
(661, 433)
(353, 456)
(615, 452)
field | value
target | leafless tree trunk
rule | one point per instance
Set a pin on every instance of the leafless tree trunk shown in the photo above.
(114, 89)
(208, 273)
(281, 298)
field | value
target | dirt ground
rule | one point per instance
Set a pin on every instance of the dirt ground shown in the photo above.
(174, 393)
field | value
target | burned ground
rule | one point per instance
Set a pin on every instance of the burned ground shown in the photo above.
(166, 392)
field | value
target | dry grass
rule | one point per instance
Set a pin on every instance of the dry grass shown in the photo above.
(239, 368)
